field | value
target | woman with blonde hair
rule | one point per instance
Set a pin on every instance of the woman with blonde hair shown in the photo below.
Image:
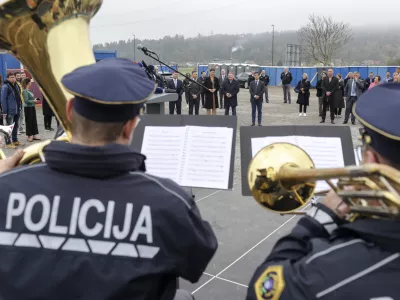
(30, 111)
(211, 93)
(303, 99)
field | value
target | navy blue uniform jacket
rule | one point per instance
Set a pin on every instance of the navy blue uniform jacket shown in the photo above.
(91, 224)
(356, 261)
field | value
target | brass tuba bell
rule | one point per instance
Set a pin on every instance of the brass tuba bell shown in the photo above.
(282, 178)
(50, 38)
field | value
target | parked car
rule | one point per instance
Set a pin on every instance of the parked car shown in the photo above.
(243, 79)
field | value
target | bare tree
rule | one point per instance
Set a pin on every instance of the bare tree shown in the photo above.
(322, 38)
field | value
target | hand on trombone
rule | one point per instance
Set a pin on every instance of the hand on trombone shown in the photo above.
(11, 162)
(336, 204)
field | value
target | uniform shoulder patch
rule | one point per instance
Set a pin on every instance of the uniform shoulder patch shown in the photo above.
(270, 284)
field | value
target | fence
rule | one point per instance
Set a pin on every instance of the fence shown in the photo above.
(274, 73)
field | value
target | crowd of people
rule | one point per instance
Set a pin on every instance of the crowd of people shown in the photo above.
(336, 95)
(18, 107)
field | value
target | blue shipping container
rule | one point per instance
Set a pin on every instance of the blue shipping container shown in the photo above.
(102, 54)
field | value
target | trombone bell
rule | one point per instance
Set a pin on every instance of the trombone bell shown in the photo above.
(266, 170)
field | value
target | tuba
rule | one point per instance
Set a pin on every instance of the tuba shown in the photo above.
(50, 38)
(282, 178)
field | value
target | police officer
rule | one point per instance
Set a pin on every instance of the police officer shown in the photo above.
(90, 223)
(325, 257)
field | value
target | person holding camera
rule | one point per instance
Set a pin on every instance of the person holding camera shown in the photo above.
(32, 130)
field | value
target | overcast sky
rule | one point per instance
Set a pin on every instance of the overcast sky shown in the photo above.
(120, 19)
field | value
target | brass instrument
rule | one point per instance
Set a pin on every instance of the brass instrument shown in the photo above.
(282, 178)
(50, 38)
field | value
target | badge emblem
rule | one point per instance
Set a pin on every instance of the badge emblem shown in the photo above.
(270, 284)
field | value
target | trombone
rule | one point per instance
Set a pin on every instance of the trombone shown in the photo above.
(282, 178)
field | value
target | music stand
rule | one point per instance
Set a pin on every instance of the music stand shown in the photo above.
(247, 133)
(186, 120)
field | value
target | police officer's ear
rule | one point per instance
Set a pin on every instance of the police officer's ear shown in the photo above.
(69, 109)
(129, 127)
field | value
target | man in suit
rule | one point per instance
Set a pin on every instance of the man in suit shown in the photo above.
(265, 78)
(201, 80)
(176, 84)
(286, 78)
(257, 88)
(194, 91)
(231, 89)
(330, 85)
(221, 91)
(353, 90)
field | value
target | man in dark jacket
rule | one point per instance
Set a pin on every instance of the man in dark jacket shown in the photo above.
(88, 223)
(194, 94)
(201, 80)
(256, 90)
(326, 257)
(286, 78)
(176, 84)
(265, 78)
(11, 104)
(186, 83)
(330, 85)
(231, 89)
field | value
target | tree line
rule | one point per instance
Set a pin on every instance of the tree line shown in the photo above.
(380, 46)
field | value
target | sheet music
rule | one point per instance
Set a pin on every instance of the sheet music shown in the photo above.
(207, 157)
(163, 147)
(259, 143)
(325, 152)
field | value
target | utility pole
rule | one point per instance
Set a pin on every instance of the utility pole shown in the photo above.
(134, 47)
(273, 41)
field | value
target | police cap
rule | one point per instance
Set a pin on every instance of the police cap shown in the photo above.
(112, 90)
(378, 110)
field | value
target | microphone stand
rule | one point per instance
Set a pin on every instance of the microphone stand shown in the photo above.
(162, 63)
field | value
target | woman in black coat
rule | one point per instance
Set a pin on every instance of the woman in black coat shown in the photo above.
(339, 97)
(211, 94)
(303, 99)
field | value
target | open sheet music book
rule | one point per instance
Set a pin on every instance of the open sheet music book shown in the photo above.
(325, 152)
(192, 156)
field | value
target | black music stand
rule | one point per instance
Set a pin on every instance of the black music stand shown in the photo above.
(247, 133)
(188, 120)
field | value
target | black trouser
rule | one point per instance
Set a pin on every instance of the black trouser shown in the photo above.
(338, 111)
(221, 99)
(233, 110)
(187, 95)
(178, 105)
(349, 109)
(47, 121)
(31, 121)
(194, 103)
(328, 103)
(303, 108)
(202, 99)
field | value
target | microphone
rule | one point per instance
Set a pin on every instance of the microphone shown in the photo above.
(145, 50)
